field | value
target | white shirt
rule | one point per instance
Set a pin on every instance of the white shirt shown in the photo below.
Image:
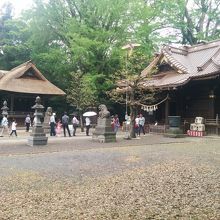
(141, 121)
(13, 126)
(75, 121)
(4, 121)
(52, 119)
(137, 121)
(88, 121)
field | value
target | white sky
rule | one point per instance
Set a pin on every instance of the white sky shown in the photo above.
(18, 5)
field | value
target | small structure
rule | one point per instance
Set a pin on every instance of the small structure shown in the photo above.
(174, 129)
(197, 129)
(103, 132)
(5, 108)
(4, 113)
(38, 136)
(21, 85)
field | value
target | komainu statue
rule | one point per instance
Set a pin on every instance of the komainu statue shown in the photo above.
(103, 131)
(103, 113)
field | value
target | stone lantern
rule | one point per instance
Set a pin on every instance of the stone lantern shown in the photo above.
(5, 108)
(38, 136)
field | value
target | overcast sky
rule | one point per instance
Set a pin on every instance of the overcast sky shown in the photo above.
(19, 5)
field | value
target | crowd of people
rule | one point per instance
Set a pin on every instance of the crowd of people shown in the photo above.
(56, 126)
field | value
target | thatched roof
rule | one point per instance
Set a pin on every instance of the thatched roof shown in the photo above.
(186, 63)
(26, 78)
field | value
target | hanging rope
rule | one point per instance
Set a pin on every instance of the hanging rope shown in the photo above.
(150, 108)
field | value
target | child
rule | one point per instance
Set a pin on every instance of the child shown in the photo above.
(13, 128)
(58, 128)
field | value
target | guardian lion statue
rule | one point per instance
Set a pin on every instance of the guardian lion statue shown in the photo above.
(103, 113)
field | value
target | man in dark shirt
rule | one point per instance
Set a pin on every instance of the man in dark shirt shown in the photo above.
(65, 122)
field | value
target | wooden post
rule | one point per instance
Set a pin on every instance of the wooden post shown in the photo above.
(212, 104)
(166, 111)
(12, 103)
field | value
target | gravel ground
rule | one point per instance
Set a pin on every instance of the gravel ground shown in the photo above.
(150, 178)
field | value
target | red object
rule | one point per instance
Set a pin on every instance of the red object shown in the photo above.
(196, 133)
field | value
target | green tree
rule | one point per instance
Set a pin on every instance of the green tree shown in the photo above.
(81, 93)
(130, 90)
(188, 21)
(86, 36)
(14, 34)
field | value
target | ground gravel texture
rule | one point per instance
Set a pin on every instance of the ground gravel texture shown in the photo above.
(172, 181)
(172, 190)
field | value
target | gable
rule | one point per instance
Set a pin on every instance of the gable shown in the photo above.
(30, 74)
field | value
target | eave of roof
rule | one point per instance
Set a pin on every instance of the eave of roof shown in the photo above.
(13, 81)
(190, 63)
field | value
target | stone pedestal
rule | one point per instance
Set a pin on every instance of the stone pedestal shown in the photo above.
(38, 136)
(174, 130)
(103, 132)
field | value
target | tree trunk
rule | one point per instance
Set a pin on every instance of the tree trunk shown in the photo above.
(132, 114)
(81, 121)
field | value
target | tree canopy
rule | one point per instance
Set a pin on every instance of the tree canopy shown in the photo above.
(64, 37)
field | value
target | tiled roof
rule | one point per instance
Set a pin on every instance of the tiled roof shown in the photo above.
(187, 62)
(17, 80)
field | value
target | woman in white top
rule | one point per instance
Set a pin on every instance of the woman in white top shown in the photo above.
(88, 122)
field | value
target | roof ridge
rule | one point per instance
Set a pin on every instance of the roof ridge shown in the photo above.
(205, 43)
(207, 62)
(23, 64)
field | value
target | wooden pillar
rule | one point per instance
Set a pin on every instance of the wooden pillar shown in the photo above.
(212, 105)
(12, 103)
(166, 111)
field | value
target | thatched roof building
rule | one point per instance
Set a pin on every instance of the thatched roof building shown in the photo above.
(27, 79)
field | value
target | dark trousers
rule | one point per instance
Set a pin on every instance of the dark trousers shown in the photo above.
(141, 127)
(13, 131)
(27, 126)
(87, 130)
(74, 129)
(65, 126)
(52, 129)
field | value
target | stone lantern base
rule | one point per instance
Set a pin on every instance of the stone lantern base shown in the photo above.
(38, 137)
(37, 141)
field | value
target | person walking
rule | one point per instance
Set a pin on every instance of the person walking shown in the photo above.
(52, 125)
(13, 128)
(88, 122)
(141, 125)
(65, 123)
(136, 125)
(4, 124)
(116, 123)
(75, 124)
(27, 122)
